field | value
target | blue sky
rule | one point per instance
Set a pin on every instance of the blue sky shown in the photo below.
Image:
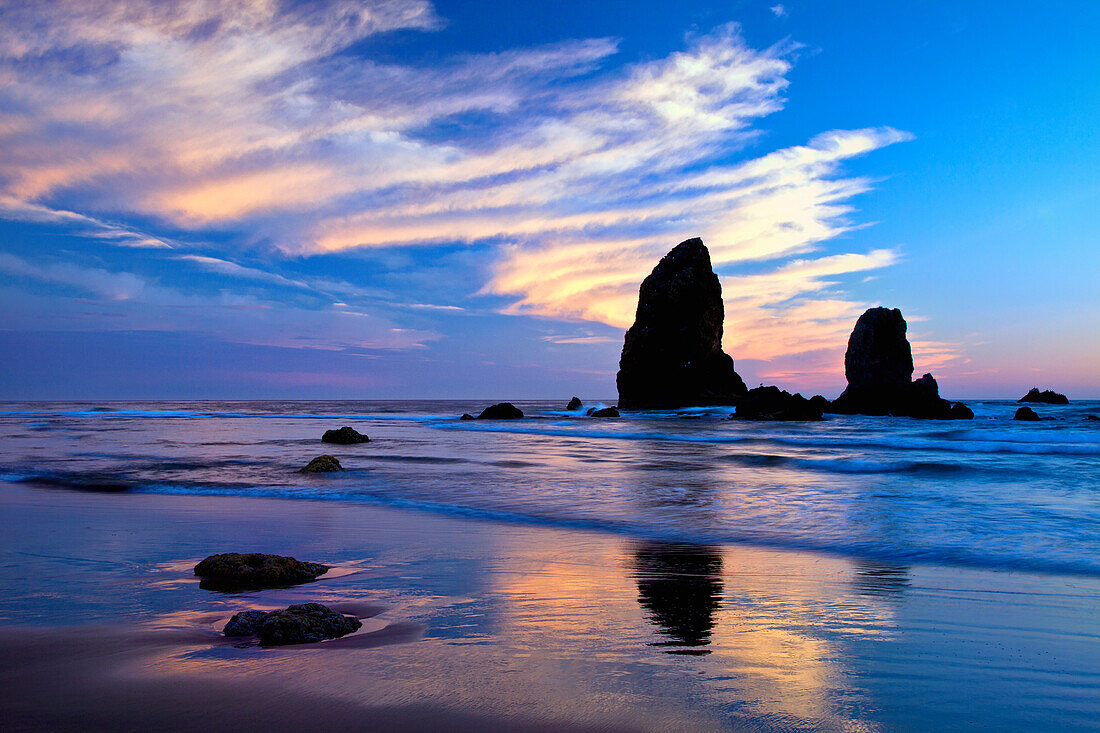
(264, 199)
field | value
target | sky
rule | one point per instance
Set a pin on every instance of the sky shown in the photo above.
(385, 199)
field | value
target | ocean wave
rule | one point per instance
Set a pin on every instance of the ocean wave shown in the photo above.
(879, 550)
(805, 440)
(849, 465)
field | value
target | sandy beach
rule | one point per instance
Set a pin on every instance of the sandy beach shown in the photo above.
(471, 625)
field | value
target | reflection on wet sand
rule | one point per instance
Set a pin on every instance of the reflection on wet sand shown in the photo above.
(680, 587)
(879, 578)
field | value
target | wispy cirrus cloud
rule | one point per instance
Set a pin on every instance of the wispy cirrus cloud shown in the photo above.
(262, 119)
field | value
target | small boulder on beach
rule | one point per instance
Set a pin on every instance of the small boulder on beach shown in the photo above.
(322, 464)
(303, 623)
(501, 411)
(1025, 413)
(574, 404)
(604, 412)
(1046, 397)
(254, 571)
(344, 436)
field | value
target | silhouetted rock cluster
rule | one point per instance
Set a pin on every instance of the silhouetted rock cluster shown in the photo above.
(772, 403)
(344, 436)
(1047, 397)
(879, 366)
(322, 464)
(254, 571)
(303, 623)
(672, 356)
(1025, 413)
(500, 411)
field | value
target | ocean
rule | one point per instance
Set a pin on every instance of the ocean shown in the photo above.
(988, 493)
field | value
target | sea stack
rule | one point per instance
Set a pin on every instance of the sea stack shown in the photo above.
(879, 369)
(672, 356)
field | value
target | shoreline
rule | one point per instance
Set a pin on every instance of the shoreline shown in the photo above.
(523, 627)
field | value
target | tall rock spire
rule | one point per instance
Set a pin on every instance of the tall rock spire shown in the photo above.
(672, 356)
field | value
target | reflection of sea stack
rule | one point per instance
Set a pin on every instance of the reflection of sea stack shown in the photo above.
(879, 367)
(681, 588)
(672, 356)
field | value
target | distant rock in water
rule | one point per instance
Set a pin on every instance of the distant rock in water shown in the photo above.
(672, 356)
(344, 436)
(322, 464)
(501, 411)
(959, 411)
(1092, 417)
(254, 571)
(604, 412)
(1025, 413)
(304, 623)
(574, 404)
(1047, 397)
(879, 366)
(772, 403)
(467, 416)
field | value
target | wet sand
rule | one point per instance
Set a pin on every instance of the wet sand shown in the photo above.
(472, 625)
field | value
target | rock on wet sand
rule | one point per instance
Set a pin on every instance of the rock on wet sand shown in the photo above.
(254, 570)
(303, 623)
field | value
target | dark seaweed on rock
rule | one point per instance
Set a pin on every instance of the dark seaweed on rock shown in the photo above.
(672, 356)
(304, 623)
(232, 571)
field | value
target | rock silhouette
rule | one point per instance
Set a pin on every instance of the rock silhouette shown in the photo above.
(303, 623)
(1047, 396)
(501, 411)
(322, 464)
(772, 403)
(1025, 413)
(672, 356)
(879, 365)
(603, 412)
(254, 571)
(574, 404)
(344, 436)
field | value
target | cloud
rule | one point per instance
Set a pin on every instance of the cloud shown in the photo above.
(115, 286)
(125, 301)
(14, 209)
(779, 11)
(264, 122)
